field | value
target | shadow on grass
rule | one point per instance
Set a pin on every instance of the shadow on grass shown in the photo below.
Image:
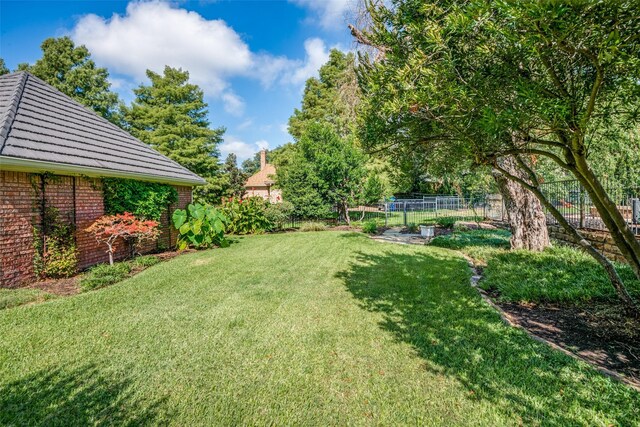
(426, 301)
(73, 397)
(558, 274)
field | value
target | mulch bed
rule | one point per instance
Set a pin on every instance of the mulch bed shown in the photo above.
(70, 285)
(61, 287)
(598, 334)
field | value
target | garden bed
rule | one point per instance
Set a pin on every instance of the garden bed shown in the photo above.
(596, 333)
(560, 296)
(47, 289)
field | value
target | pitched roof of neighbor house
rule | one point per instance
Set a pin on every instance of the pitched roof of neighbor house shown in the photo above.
(42, 129)
(262, 178)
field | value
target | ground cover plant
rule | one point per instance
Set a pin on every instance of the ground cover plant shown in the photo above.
(319, 328)
(559, 274)
(103, 275)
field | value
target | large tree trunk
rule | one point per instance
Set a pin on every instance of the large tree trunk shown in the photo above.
(613, 275)
(524, 211)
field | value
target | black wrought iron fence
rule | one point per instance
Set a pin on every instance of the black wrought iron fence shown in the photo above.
(573, 202)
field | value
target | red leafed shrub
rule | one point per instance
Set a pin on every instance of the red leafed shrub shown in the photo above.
(107, 229)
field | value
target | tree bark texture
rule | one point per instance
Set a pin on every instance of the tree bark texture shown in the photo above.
(524, 211)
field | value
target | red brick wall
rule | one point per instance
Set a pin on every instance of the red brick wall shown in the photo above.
(20, 212)
(17, 216)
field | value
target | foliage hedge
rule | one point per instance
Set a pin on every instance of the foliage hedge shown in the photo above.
(146, 200)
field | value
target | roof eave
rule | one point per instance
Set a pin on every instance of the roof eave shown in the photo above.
(39, 166)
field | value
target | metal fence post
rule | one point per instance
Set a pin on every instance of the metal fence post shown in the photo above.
(404, 208)
(581, 205)
(386, 214)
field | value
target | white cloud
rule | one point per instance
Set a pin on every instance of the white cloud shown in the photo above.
(270, 69)
(233, 104)
(330, 12)
(284, 128)
(317, 54)
(154, 34)
(243, 150)
(262, 145)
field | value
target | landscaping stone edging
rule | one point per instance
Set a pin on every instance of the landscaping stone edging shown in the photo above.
(476, 276)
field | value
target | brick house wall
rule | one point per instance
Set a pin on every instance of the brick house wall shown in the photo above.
(79, 200)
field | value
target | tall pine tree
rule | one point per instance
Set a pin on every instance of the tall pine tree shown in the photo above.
(235, 176)
(70, 69)
(171, 116)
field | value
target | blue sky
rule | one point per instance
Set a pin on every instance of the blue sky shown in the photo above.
(250, 57)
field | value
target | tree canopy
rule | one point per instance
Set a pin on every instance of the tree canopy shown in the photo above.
(323, 171)
(70, 69)
(330, 98)
(170, 115)
(491, 82)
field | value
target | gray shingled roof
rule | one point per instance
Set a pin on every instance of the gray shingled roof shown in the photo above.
(41, 127)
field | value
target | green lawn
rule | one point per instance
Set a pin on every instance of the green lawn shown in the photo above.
(14, 297)
(320, 328)
(559, 274)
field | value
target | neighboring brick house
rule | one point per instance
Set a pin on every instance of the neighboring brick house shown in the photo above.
(261, 183)
(54, 152)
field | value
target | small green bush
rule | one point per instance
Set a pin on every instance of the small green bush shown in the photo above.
(247, 216)
(145, 261)
(146, 200)
(278, 214)
(370, 227)
(104, 275)
(446, 221)
(313, 226)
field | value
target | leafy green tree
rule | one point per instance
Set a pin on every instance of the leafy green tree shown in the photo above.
(235, 177)
(324, 171)
(501, 84)
(3, 67)
(330, 98)
(70, 69)
(373, 190)
(171, 116)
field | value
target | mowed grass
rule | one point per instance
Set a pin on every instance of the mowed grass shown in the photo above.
(15, 297)
(323, 328)
(559, 274)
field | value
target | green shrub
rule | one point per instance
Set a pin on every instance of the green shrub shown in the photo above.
(247, 216)
(56, 255)
(200, 226)
(146, 200)
(461, 228)
(145, 261)
(313, 226)
(60, 259)
(370, 227)
(278, 214)
(446, 221)
(104, 275)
